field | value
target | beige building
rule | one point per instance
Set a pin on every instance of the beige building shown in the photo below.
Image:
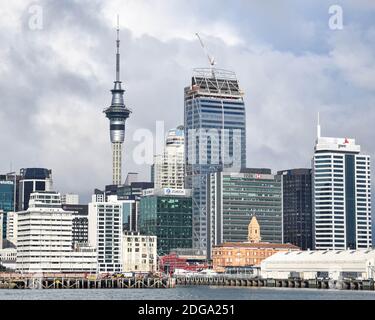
(244, 254)
(139, 252)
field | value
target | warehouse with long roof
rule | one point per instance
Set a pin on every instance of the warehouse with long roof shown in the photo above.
(333, 264)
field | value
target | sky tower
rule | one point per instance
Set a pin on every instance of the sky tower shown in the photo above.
(117, 114)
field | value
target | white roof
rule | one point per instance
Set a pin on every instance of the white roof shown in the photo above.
(321, 256)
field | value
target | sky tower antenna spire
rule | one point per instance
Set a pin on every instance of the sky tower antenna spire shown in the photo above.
(118, 50)
(318, 127)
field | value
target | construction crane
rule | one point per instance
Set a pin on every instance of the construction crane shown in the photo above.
(211, 59)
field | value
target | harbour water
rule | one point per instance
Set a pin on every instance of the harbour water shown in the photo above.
(187, 293)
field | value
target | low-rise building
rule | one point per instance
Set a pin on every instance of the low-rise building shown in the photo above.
(246, 254)
(139, 252)
(333, 264)
(8, 258)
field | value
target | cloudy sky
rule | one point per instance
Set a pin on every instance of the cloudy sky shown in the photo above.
(56, 73)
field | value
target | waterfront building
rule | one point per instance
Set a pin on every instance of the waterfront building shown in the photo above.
(105, 234)
(8, 257)
(139, 252)
(70, 198)
(297, 207)
(332, 264)
(241, 255)
(167, 214)
(44, 238)
(169, 167)
(33, 180)
(215, 137)
(235, 197)
(341, 195)
(254, 231)
(178, 260)
(117, 113)
(80, 223)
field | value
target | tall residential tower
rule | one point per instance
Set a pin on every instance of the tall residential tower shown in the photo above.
(117, 114)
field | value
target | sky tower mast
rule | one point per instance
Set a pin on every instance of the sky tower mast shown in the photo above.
(117, 114)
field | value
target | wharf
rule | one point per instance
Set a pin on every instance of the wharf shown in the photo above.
(67, 282)
(238, 281)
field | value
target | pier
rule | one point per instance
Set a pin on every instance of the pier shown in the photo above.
(244, 281)
(66, 282)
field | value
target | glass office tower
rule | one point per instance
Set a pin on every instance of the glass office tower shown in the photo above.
(169, 217)
(297, 207)
(215, 137)
(234, 198)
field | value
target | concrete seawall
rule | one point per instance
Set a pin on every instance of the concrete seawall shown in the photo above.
(275, 283)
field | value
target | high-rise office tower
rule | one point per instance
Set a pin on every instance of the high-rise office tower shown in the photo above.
(341, 195)
(297, 207)
(167, 214)
(234, 198)
(32, 180)
(169, 168)
(215, 137)
(117, 114)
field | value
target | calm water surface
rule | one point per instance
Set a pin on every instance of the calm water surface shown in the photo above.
(187, 293)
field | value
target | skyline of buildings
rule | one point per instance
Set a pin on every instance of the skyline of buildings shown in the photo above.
(202, 194)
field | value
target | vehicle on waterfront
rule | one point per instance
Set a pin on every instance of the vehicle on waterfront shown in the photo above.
(209, 272)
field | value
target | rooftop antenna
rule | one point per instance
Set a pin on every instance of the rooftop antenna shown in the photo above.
(318, 126)
(211, 59)
(118, 50)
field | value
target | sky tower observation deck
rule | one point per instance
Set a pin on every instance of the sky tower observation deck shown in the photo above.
(117, 114)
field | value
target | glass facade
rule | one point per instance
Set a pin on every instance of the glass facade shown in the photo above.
(297, 207)
(168, 218)
(235, 198)
(6, 202)
(215, 137)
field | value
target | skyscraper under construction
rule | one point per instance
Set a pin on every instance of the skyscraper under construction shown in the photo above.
(215, 138)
